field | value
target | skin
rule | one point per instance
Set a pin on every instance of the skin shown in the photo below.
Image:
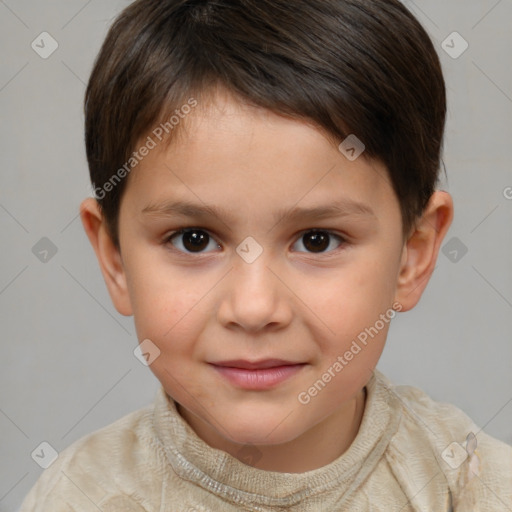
(292, 302)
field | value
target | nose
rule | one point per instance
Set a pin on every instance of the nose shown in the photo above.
(254, 297)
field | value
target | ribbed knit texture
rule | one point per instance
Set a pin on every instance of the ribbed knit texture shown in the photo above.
(152, 461)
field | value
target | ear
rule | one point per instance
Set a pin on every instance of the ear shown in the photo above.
(109, 257)
(420, 252)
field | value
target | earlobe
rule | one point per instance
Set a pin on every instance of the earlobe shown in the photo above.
(109, 257)
(421, 250)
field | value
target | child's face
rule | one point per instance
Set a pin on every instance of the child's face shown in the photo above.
(211, 297)
(291, 302)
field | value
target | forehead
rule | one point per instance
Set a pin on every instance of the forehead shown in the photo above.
(228, 153)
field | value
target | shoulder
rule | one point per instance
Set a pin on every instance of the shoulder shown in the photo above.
(95, 471)
(441, 438)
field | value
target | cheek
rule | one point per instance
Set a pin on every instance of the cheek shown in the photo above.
(167, 305)
(355, 294)
(348, 306)
(173, 320)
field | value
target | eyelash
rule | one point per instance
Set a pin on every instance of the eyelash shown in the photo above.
(182, 231)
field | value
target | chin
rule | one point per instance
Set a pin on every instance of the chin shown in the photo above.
(260, 433)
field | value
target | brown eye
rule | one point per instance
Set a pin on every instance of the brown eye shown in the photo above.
(318, 241)
(192, 240)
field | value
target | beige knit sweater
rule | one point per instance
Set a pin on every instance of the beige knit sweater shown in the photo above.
(410, 454)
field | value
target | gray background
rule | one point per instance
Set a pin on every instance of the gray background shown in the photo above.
(67, 362)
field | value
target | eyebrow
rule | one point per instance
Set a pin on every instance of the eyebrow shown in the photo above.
(340, 208)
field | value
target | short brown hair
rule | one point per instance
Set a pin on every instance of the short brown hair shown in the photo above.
(362, 67)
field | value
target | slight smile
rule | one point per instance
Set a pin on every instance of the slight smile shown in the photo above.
(259, 375)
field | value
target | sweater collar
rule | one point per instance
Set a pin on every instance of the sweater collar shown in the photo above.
(224, 475)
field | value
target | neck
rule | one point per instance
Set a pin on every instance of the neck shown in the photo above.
(315, 448)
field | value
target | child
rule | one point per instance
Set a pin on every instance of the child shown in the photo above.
(265, 203)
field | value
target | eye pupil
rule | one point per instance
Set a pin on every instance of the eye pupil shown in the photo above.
(195, 240)
(316, 241)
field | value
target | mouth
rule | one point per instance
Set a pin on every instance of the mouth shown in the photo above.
(257, 375)
(262, 364)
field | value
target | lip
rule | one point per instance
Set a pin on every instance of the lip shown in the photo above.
(268, 374)
(255, 365)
